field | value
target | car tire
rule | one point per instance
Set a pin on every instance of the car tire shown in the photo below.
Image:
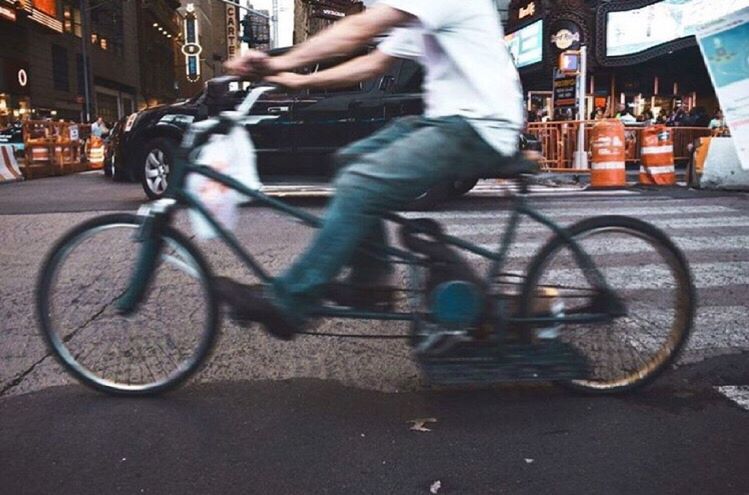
(154, 166)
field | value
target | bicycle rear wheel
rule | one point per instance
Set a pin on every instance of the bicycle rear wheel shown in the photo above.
(150, 351)
(649, 274)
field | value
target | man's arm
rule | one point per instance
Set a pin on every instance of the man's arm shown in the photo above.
(341, 39)
(340, 76)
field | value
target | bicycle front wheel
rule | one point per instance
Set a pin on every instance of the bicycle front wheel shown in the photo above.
(153, 350)
(646, 271)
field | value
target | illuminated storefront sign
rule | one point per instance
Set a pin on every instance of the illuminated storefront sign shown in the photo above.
(191, 49)
(527, 11)
(44, 12)
(23, 78)
(564, 38)
(526, 44)
(232, 31)
(8, 13)
(633, 31)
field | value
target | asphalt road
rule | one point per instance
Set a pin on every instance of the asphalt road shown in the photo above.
(330, 416)
(310, 437)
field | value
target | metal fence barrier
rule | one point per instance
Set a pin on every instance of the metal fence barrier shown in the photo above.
(559, 142)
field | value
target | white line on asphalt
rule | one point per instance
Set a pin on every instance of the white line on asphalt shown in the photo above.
(529, 227)
(595, 209)
(620, 246)
(648, 276)
(738, 394)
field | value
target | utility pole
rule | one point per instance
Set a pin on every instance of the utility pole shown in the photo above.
(581, 155)
(274, 20)
(84, 55)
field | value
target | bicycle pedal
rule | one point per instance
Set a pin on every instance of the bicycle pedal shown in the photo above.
(477, 364)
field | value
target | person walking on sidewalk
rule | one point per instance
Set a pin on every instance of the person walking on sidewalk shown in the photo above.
(473, 117)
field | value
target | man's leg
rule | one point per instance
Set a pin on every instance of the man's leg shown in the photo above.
(434, 151)
(367, 265)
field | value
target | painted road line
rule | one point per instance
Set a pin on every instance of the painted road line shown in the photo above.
(629, 246)
(596, 209)
(739, 394)
(529, 227)
(647, 276)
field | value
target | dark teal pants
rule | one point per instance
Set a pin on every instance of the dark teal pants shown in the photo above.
(383, 173)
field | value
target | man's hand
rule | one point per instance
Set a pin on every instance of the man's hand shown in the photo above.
(254, 64)
(289, 80)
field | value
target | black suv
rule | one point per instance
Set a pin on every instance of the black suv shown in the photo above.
(295, 146)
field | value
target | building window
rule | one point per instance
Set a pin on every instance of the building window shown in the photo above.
(60, 68)
(71, 19)
(103, 43)
(108, 107)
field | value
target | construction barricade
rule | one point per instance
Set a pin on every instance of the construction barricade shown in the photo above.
(608, 149)
(9, 170)
(95, 152)
(657, 166)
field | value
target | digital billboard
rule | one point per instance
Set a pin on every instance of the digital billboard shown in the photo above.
(633, 31)
(526, 44)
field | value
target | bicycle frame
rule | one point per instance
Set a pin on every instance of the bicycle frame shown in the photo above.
(159, 214)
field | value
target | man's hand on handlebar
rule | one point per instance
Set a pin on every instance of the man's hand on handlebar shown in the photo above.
(254, 65)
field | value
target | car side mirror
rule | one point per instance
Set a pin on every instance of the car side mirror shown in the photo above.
(387, 83)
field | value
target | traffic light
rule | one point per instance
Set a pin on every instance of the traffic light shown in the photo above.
(246, 23)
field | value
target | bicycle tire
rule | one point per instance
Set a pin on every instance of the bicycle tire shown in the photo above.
(58, 345)
(684, 296)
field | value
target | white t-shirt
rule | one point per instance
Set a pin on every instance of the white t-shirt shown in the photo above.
(468, 68)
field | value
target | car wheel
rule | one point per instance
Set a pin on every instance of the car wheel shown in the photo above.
(156, 164)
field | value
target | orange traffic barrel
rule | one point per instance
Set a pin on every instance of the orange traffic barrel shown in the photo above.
(608, 148)
(95, 151)
(657, 157)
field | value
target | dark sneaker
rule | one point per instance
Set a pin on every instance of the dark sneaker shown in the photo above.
(254, 303)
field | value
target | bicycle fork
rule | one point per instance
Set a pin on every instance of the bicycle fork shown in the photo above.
(155, 216)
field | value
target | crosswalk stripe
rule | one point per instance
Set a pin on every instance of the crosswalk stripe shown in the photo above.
(593, 210)
(648, 276)
(528, 227)
(628, 246)
(738, 394)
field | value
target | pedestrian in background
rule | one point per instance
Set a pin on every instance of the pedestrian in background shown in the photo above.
(99, 128)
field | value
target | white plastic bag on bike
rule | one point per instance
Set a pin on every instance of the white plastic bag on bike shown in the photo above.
(231, 154)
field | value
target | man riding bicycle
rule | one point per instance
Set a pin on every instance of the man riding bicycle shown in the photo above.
(470, 128)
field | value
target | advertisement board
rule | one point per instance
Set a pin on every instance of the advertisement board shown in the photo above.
(526, 44)
(725, 48)
(633, 31)
(48, 7)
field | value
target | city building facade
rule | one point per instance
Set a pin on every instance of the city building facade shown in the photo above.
(312, 16)
(624, 65)
(127, 46)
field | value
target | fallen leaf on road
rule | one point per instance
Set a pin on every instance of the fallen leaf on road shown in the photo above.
(529, 461)
(435, 487)
(419, 424)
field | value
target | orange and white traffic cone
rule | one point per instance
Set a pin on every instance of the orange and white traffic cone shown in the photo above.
(608, 148)
(657, 157)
